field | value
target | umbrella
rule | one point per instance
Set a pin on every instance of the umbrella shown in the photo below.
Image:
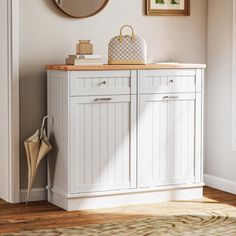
(37, 147)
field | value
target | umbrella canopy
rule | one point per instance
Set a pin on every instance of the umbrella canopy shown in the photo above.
(37, 147)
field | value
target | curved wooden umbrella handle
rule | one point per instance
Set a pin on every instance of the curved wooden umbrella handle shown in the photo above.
(44, 120)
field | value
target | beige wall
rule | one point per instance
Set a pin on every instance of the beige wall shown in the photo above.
(220, 160)
(47, 36)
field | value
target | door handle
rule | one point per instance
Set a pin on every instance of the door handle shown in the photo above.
(170, 97)
(102, 99)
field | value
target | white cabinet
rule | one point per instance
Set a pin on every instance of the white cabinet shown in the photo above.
(124, 136)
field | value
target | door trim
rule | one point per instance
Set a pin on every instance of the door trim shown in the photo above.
(233, 139)
(13, 101)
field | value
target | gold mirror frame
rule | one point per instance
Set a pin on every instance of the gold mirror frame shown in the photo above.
(81, 17)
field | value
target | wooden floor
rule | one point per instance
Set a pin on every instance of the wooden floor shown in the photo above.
(42, 215)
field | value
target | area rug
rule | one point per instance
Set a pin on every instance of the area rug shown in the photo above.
(206, 224)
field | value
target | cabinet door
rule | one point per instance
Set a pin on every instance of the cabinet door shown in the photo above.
(167, 140)
(102, 137)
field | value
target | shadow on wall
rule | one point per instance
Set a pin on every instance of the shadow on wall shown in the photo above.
(52, 6)
(31, 113)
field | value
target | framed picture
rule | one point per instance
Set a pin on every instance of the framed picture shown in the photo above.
(168, 7)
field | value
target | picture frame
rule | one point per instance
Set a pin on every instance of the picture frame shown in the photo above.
(168, 7)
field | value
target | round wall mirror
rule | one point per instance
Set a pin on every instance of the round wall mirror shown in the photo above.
(81, 8)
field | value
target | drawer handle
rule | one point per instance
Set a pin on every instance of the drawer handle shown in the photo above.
(170, 97)
(103, 82)
(102, 99)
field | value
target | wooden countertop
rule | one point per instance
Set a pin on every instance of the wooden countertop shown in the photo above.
(127, 67)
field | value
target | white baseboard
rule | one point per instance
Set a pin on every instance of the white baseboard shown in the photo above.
(37, 194)
(219, 183)
(127, 198)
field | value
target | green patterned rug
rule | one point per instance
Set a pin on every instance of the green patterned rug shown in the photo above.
(207, 224)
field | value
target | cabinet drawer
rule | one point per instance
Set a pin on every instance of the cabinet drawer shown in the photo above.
(102, 83)
(167, 81)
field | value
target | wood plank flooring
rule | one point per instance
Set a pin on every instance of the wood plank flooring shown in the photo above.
(42, 215)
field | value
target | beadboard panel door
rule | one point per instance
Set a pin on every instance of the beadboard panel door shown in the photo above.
(102, 138)
(167, 139)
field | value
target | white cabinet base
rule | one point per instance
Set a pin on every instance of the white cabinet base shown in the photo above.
(100, 200)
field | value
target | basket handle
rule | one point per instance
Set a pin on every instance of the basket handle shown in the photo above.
(121, 32)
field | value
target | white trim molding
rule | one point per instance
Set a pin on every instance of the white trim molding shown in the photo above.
(14, 103)
(83, 202)
(220, 183)
(10, 57)
(37, 194)
(234, 78)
